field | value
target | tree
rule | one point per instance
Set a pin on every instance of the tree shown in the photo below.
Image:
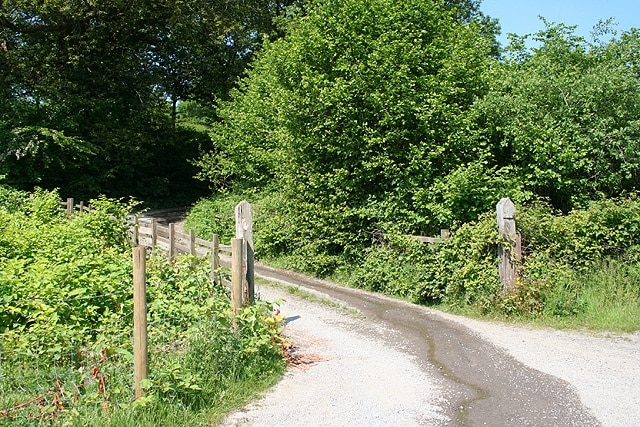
(564, 116)
(87, 85)
(355, 110)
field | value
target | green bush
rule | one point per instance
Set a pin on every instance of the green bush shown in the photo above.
(458, 271)
(580, 267)
(11, 199)
(66, 326)
(275, 236)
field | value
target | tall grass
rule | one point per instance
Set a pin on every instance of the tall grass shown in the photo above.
(608, 297)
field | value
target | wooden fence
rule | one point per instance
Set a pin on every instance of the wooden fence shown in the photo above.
(147, 233)
(510, 249)
(70, 207)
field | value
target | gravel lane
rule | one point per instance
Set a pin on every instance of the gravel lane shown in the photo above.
(344, 377)
(604, 369)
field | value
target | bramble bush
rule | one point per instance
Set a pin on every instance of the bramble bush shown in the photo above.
(458, 271)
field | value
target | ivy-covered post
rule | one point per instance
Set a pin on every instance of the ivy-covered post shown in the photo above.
(509, 251)
(244, 230)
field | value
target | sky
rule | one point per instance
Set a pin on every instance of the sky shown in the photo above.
(521, 16)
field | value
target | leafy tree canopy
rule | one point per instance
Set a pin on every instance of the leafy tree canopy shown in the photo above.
(564, 115)
(85, 85)
(358, 107)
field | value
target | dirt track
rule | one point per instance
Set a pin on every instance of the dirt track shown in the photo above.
(477, 382)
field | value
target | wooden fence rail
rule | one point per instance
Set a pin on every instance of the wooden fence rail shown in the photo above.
(145, 232)
(444, 235)
(70, 207)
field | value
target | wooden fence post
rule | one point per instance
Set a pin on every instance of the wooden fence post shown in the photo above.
(505, 215)
(192, 242)
(154, 232)
(139, 320)
(237, 273)
(172, 241)
(136, 231)
(70, 206)
(244, 231)
(215, 260)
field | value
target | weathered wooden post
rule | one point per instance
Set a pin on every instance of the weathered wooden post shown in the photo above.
(70, 206)
(237, 273)
(215, 260)
(136, 231)
(154, 233)
(244, 230)
(507, 255)
(139, 320)
(192, 242)
(172, 241)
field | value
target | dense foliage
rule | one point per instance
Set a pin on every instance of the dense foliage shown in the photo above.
(368, 123)
(358, 107)
(90, 91)
(66, 325)
(583, 266)
(369, 118)
(564, 118)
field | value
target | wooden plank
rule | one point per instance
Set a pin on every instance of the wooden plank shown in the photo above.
(205, 243)
(425, 239)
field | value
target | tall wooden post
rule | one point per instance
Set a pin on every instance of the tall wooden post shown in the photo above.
(215, 260)
(139, 320)
(237, 273)
(244, 230)
(172, 241)
(507, 255)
